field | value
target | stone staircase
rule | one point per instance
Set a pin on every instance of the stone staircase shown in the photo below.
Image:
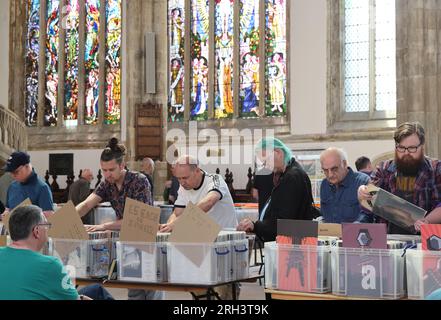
(13, 134)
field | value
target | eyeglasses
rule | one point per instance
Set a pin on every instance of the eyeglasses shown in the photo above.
(411, 149)
(331, 170)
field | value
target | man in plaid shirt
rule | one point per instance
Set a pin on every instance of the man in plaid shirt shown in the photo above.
(410, 175)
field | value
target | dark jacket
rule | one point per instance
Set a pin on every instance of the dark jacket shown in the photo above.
(291, 199)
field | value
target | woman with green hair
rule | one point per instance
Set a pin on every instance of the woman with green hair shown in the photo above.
(291, 197)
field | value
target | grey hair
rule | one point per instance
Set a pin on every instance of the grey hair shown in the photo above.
(23, 220)
(150, 161)
(333, 150)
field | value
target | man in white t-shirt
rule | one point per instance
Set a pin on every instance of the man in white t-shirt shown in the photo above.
(208, 191)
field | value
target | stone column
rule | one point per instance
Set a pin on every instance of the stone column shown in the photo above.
(419, 67)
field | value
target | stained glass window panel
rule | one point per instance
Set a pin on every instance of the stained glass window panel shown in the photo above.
(224, 44)
(249, 58)
(52, 42)
(275, 104)
(91, 61)
(113, 62)
(71, 23)
(176, 29)
(32, 54)
(199, 60)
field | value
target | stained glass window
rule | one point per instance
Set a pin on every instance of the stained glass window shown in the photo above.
(52, 42)
(176, 30)
(77, 96)
(113, 64)
(72, 21)
(275, 73)
(224, 44)
(249, 58)
(199, 60)
(232, 45)
(32, 53)
(92, 61)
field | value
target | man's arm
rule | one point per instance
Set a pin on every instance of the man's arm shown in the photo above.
(433, 217)
(91, 202)
(209, 201)
(111, 225)
(168, 227)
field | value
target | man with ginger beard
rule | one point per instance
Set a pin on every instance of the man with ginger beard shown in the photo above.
(411, 175)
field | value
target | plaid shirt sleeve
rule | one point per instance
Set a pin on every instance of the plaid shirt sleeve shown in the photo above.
(379, 176)
(436, 193)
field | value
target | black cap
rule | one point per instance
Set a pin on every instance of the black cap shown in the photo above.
(16, 160)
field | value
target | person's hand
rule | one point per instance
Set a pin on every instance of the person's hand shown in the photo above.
(167, 227)
(4, 214)
(363, 193)
(246, 225)
(419, 223)
(93, 228)
(83, 297)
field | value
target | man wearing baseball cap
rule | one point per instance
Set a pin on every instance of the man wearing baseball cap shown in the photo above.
(26, 185)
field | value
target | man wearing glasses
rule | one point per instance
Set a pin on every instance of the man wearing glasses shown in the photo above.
(25, 274)
(410, 175)
(338, 191)
(26, 185)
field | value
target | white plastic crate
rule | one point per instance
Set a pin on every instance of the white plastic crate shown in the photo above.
(370, 273)
(423, 272)
(199, 263)
(138, 261)
(301, 268)
(73, 254)
(240, 259)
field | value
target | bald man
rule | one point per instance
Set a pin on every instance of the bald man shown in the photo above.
(338, 191)
(80, 190)
(147, 168)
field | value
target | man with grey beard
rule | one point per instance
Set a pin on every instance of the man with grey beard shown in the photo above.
(411, 175)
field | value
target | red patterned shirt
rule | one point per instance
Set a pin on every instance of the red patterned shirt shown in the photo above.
(136, 186)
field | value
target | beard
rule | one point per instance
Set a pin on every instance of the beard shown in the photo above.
(409, 166)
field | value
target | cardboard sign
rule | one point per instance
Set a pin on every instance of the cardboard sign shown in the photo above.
(67, 224)
(194, 226)
(5, 218)
(329, 230)
(140, 222)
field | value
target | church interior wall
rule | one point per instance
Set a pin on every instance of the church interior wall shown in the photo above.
(307, 83)
(4, 52)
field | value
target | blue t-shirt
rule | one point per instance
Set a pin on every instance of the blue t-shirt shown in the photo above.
(35, 189)
(29, 275)
(341, 204)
